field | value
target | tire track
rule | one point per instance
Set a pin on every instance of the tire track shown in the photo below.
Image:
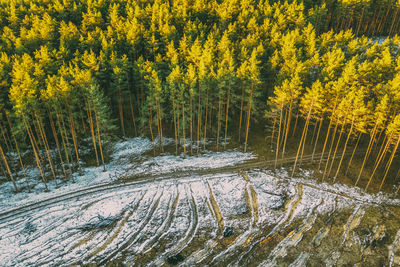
(286, 217)
(132, 238)
(173, 201)
(187, 237)
(134, 180)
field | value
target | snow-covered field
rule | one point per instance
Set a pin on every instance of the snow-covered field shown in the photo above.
(128, 158)
(241, 218)
(236, 219)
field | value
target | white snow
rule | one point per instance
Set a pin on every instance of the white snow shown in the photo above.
(128, 158)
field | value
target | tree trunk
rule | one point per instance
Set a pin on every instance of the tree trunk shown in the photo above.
(91, 126)
(8, 169)
(279, 135)
(46, 147)
(241, 114)
(344, 151)
(53, 128)
(316, 140)
(36, 155)
(248, 118)
(18, 152)
(352, 154)
(191, 123)
(73, 133)
(205, 122)
(379, 161)
(389, 163)
(218, 118)
(330, 149)
(98, 136)
(121, 111)
(183, 130)
(175, 130)
(226, 117)
(287, 127)
(273, 130)
(371, 140)
(326, 140)
(132, 114)
(302, 140)
(336, 148)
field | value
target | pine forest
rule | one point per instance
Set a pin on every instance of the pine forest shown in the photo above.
(199, 133)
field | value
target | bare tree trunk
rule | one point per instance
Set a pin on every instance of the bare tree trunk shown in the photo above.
(226, 117)
(53, 128)
(279, 135)
(8, 169)
(316, 140)
(354, 151)
(248, 118)
(326, 140)
(389, 163)
(132, 114)
(344, 151)
(379, 161)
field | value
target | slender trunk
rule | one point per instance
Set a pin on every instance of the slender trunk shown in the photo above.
(198, 121)
(279, 135)
(377, 141)
(183, 130)
(53, 128)
(159, 123)
(8, 169)
(330, 149)
(336, 148)
(326, 141)
(150, 124)
(359, 23)
(393, 22)
(191, 123)
(284, 127)
(295, 123)
(379, 161)
(64, 139)
(302, 140)
(74, 139)
(241, 114)
(389, 163)
(354, 151)
(175, 131)
(98, 135)
(35, 154)
(6, 140)
(371, 140)
(132, 114)
(46, 147)
(218, 118)
(18, 152)
(287, 128)
(273, 130)
(205, 123)
(226, 116)
(344, 151)
(91, 126)
(248, 118)
(316, 140)
(121, 111)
